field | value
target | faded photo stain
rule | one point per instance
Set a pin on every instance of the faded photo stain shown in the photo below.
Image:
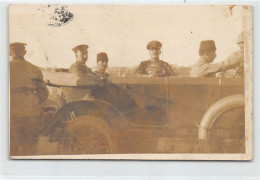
(59, 15)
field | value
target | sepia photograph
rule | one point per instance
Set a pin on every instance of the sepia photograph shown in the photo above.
(140, 82)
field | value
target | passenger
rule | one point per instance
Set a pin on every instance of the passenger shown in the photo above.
(27, 92)
(238, 57)
(102, 61)
(85, 74)
(154, 67)
(110, 92)
(204, 67)
(80, 67)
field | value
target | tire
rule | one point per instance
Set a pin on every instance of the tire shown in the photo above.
(222, 128)
(73, 110)
(87, 135)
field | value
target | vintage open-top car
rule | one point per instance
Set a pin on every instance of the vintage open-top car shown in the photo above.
(87, 115)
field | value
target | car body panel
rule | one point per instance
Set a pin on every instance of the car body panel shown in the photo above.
(168, 110)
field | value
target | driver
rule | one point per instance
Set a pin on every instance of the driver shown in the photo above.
(238, 57)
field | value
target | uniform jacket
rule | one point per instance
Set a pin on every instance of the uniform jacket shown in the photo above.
(86, 75)
(79, 68)
(159, 69)
(205, 69)
(27, 89)
(102, 74)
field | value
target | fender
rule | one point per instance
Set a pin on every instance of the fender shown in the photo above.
(215, 110)
(96, 108)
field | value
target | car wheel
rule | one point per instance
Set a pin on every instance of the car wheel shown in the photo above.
(222, 129)
(86, 135)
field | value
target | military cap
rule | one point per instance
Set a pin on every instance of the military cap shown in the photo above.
(17, 45)
(207, 45)
(80, 48)
(102, 56)
(240, 38)
(154, 45)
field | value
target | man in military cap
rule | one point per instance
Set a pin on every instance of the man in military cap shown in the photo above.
(27, 92)
(80, 67)
(102, 61)
(204, 66)
(154, 67)
(86, 75)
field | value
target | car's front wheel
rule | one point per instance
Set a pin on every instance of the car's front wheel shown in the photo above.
(222, 129)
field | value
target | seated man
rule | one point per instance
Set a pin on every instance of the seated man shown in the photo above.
(102, 61)
(154, 67)
(80, 67)
(85, 74)
(204, 66)
(110, 92)
(238, 56)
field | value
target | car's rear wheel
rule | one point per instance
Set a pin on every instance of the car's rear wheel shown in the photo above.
(87, 135)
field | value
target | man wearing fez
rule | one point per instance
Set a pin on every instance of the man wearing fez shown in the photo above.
(204, 66)
(154, 67)
(27, 92)
(110, 92)
(80, 67)
(102, 61)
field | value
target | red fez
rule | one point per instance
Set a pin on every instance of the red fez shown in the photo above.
(102, 56)
(154, 45)
(207, 45)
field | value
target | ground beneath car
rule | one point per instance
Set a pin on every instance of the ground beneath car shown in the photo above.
(44, 147)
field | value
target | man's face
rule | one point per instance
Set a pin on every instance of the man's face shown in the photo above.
(82, 55)
(154, 53)
(17, 52)
(211, 55)
(102, 65)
